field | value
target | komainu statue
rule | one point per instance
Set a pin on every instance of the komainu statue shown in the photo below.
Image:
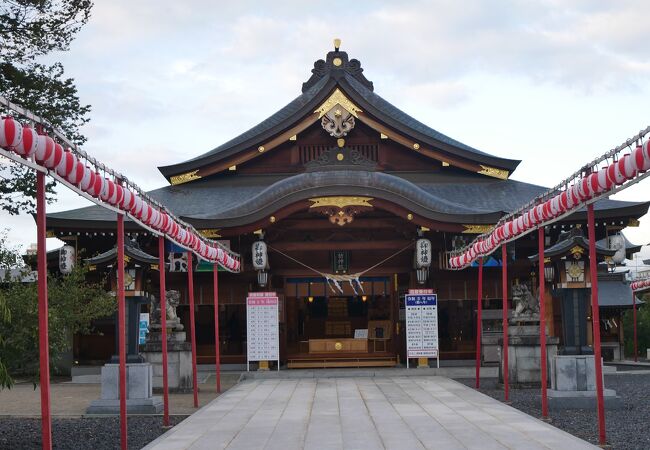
(173, 322)
(526, 305)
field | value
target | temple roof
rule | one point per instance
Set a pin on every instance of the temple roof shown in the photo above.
(337, 71)
(131, 249)
(571, 239)
(219, 202)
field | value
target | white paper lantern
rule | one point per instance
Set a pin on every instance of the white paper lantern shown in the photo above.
(260, 255)
(66, 259)
(423, 253)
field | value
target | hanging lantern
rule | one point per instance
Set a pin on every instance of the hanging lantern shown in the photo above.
(262, 277)
(422, 253)
(66, 259)
(260, 255)
(617, 242)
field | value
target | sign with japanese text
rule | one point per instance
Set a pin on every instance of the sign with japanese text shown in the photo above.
(421, 324)
(143, 328)
(263, 338)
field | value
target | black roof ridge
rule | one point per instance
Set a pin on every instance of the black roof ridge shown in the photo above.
(326, 76)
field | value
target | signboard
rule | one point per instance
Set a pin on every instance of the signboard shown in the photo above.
(421, 307)
(177, 258)
(263, 338)
(143, 328)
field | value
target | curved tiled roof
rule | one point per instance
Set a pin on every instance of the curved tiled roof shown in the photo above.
(228, 199)
(326, 76)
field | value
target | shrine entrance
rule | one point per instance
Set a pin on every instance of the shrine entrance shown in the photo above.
(353, 328)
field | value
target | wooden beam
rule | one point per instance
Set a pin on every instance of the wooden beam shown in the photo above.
(341, 245)
(408, 142)
(379, 271)
(263, 147)
(322, 223)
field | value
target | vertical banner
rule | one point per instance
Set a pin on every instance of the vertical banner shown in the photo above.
(421, 324)
(263, 331)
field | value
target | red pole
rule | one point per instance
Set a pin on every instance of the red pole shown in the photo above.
(43, 338)
(121, 320)
(542, 322)
(163, 323)
(636, 350)
(215, 274)
(479, 326)
(190, 280)
(504, 288)
(595, 316)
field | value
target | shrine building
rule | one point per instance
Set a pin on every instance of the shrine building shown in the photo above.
(339, 185)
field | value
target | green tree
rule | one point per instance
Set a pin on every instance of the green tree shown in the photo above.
(73, 305)
(8, 259)
(642, 327)
(29, 29)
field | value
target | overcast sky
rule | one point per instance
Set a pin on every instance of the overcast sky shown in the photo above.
(554, 83)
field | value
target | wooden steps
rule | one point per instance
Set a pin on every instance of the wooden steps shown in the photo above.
(338, 362)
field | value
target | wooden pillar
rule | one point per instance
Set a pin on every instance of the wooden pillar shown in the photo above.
(163, 323)
(504, 288)
(595, 317)
(217, 350)
(43, 326)
(542, 322)
(190, 281)
(479, 325)
(121, 319)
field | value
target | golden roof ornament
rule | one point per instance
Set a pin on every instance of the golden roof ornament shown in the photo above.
(337, 44)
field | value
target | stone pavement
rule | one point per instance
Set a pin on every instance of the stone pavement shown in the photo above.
(361, 413)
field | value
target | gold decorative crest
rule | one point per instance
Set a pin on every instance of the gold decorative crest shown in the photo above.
(337, 98)
(477, 229)
(210, 233)
(185, 177)
(577, 251)
(340, 202)
(494, 172)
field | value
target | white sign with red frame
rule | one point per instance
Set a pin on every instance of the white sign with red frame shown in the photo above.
(421, 307)
(263, 331)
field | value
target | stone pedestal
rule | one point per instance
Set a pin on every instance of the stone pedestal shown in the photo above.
(524, 368)
(179, 360)
(573, 384)
(139, 394)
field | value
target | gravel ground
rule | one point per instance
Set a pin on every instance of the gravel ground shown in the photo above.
(627, 428)
(81, 433)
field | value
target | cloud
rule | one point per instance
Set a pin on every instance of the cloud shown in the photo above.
(171, 80)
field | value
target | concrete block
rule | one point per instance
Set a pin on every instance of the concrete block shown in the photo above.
(583, 399)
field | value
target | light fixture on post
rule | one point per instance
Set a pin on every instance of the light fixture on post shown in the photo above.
(422, 274)
(549, 272)
(262, 277)
(422, 258)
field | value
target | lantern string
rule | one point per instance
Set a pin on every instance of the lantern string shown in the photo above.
(334, 280)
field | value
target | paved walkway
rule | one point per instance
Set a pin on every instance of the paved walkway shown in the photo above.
(361, 413)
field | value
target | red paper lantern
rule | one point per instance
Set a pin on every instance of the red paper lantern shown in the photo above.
(11, 133)
(44, 149)
(66, 164)
(28, 144)
(55, 157)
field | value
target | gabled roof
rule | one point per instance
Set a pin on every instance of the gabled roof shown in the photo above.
(337, 72)
(571, 239)
(131, 249)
